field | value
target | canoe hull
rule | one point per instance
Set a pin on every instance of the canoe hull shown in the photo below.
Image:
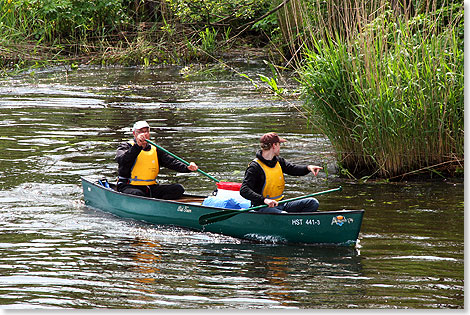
(322, 227)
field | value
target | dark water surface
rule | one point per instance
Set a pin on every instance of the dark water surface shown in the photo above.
(56, 253)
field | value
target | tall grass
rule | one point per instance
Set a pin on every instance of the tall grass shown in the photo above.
(388, 92)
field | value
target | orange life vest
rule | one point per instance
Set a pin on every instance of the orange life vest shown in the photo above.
(273, 187)
(146, 167)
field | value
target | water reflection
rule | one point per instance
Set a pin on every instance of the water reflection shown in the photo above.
(284, 274)
(147, 258)
(239, 275)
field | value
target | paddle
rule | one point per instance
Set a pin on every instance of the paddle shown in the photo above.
(225, 214)
(180, 159)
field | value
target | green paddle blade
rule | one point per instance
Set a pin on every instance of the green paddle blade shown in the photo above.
(219, 216)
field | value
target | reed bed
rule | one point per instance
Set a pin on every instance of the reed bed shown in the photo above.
(387, 88)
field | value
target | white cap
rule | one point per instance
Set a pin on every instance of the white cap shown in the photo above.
(140, 124)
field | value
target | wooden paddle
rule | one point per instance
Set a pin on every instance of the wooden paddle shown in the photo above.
(180, 159)
(225, 214)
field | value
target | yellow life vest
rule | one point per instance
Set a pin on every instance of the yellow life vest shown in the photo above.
(146, 168)
(274, 185)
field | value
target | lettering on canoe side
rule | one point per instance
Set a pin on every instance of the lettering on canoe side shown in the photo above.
(183, 209)
(306, 222)
(340, 220)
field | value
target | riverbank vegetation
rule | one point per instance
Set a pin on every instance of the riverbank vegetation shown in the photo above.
(387, 86)
(383, 80)
(144, 32)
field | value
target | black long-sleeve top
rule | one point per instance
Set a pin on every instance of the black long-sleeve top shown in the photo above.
(127, 153)
(252, 185)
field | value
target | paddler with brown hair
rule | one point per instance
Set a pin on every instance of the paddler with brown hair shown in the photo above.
(264, 179)
(139, 165)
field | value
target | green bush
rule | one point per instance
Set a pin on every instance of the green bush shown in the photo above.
(133, 32)
(52, 20)
(224, 13)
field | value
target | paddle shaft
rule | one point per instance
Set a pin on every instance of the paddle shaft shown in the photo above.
(181, 160)
(225, 214)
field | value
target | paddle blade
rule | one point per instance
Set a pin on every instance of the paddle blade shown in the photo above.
(212, 217)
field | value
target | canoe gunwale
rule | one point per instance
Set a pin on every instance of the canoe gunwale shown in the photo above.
(214, 208)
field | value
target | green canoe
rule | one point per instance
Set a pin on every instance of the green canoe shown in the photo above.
(322, 227)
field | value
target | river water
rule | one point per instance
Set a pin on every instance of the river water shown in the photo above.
(58, 125)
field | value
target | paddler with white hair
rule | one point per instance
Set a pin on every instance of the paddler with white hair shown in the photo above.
(139, 165)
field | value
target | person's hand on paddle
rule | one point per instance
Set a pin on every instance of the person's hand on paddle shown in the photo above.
(192, 166)
(141, 140)
(141, 135)
(314, 169)
(270, 202)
